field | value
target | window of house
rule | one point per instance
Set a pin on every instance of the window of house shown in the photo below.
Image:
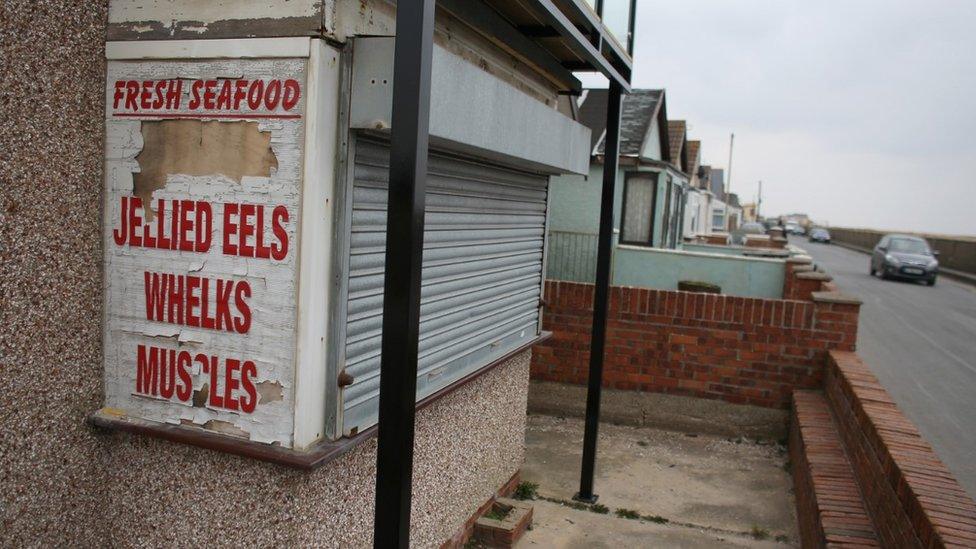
(679, 216)
(718, 219)
(666, 226)
(636, 227)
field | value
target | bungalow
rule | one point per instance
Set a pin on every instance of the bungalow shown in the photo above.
(652, 185)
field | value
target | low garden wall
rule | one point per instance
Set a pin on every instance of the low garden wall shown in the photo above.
(910, 495)
(663, 269)
(737, 349)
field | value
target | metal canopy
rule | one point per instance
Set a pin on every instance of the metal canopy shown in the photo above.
(558, 36)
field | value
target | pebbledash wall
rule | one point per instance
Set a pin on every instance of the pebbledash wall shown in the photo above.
(65, 483)
(737, 349)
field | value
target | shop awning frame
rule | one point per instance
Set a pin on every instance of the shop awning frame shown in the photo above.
(559, 36)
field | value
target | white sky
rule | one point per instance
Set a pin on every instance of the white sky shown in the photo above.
(859, 113)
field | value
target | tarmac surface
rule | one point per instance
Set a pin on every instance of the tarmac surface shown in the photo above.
(921, 343)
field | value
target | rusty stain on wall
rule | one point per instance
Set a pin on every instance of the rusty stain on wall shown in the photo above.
(194, 147)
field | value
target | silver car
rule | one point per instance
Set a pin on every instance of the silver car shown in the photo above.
(905, 256)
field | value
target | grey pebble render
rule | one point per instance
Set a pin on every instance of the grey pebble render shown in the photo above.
(66, 484)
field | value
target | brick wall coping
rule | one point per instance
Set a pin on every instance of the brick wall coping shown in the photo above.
(835, 297)
(931, 503)
(800, 259)
(699, 254)
(814, 275)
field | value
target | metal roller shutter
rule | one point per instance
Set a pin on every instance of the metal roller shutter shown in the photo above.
(482, 272)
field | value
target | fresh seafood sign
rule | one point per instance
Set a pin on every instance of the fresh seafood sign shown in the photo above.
(202, 190)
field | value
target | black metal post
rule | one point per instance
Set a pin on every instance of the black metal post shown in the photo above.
(631, 23)
(404, 256)
(601, 294)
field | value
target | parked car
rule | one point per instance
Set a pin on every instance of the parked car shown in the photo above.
(748, 228)
(905, 256)
(819, 235)
(794, 228)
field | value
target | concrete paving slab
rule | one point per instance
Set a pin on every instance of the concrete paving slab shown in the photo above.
(705, 486)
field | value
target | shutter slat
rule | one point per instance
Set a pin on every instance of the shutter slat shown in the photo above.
(481, 277)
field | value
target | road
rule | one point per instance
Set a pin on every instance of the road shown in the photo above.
(921, 343)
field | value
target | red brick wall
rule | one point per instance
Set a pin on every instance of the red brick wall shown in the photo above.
(913, 499)
(741, 350)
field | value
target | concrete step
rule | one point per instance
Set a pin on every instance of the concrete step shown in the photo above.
(830, 509)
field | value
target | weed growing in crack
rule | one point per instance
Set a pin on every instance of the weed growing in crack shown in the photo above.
(655, 518)
(627, 514)
(526, 490)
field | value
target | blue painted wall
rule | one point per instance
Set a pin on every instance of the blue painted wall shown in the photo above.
(663, 269)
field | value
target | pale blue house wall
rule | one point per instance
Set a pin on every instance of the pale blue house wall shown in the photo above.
(663, 269)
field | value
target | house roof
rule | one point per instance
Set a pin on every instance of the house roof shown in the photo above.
(640, 108)
(676, 134)
(593, 115)
(693, 148)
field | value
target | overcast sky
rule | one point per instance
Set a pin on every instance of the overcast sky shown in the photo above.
(859, 113)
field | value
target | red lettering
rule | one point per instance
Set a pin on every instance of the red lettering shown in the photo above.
(254, 94)
(205, 320)
(240, 92)
(192, 300)
(183, 370)
(118, 94)
(223, 100)
(131, 94)
(248, 372)
(242, 290)
(167, 374)
(195, 90)
(247, 229)
(135, 220)
(209, 94)
(174, 94)
(148, 239)
(161, 241)
(272, 95)
(223, 304)
(231, 365)
(175, 299)
(292, 93)
(215, 399)
(186, 207)
(158, 102)
(278, 217)
(260, 248)
(147, 369)
(155, 289)
(204, 225)
(174, 224)
(119, 234)
(146, 95)
(230, 229)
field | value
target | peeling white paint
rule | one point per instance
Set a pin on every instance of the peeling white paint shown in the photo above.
(271, 340)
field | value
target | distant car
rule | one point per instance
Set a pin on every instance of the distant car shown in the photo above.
(793, 228)
(905, 256)
(819, 235)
